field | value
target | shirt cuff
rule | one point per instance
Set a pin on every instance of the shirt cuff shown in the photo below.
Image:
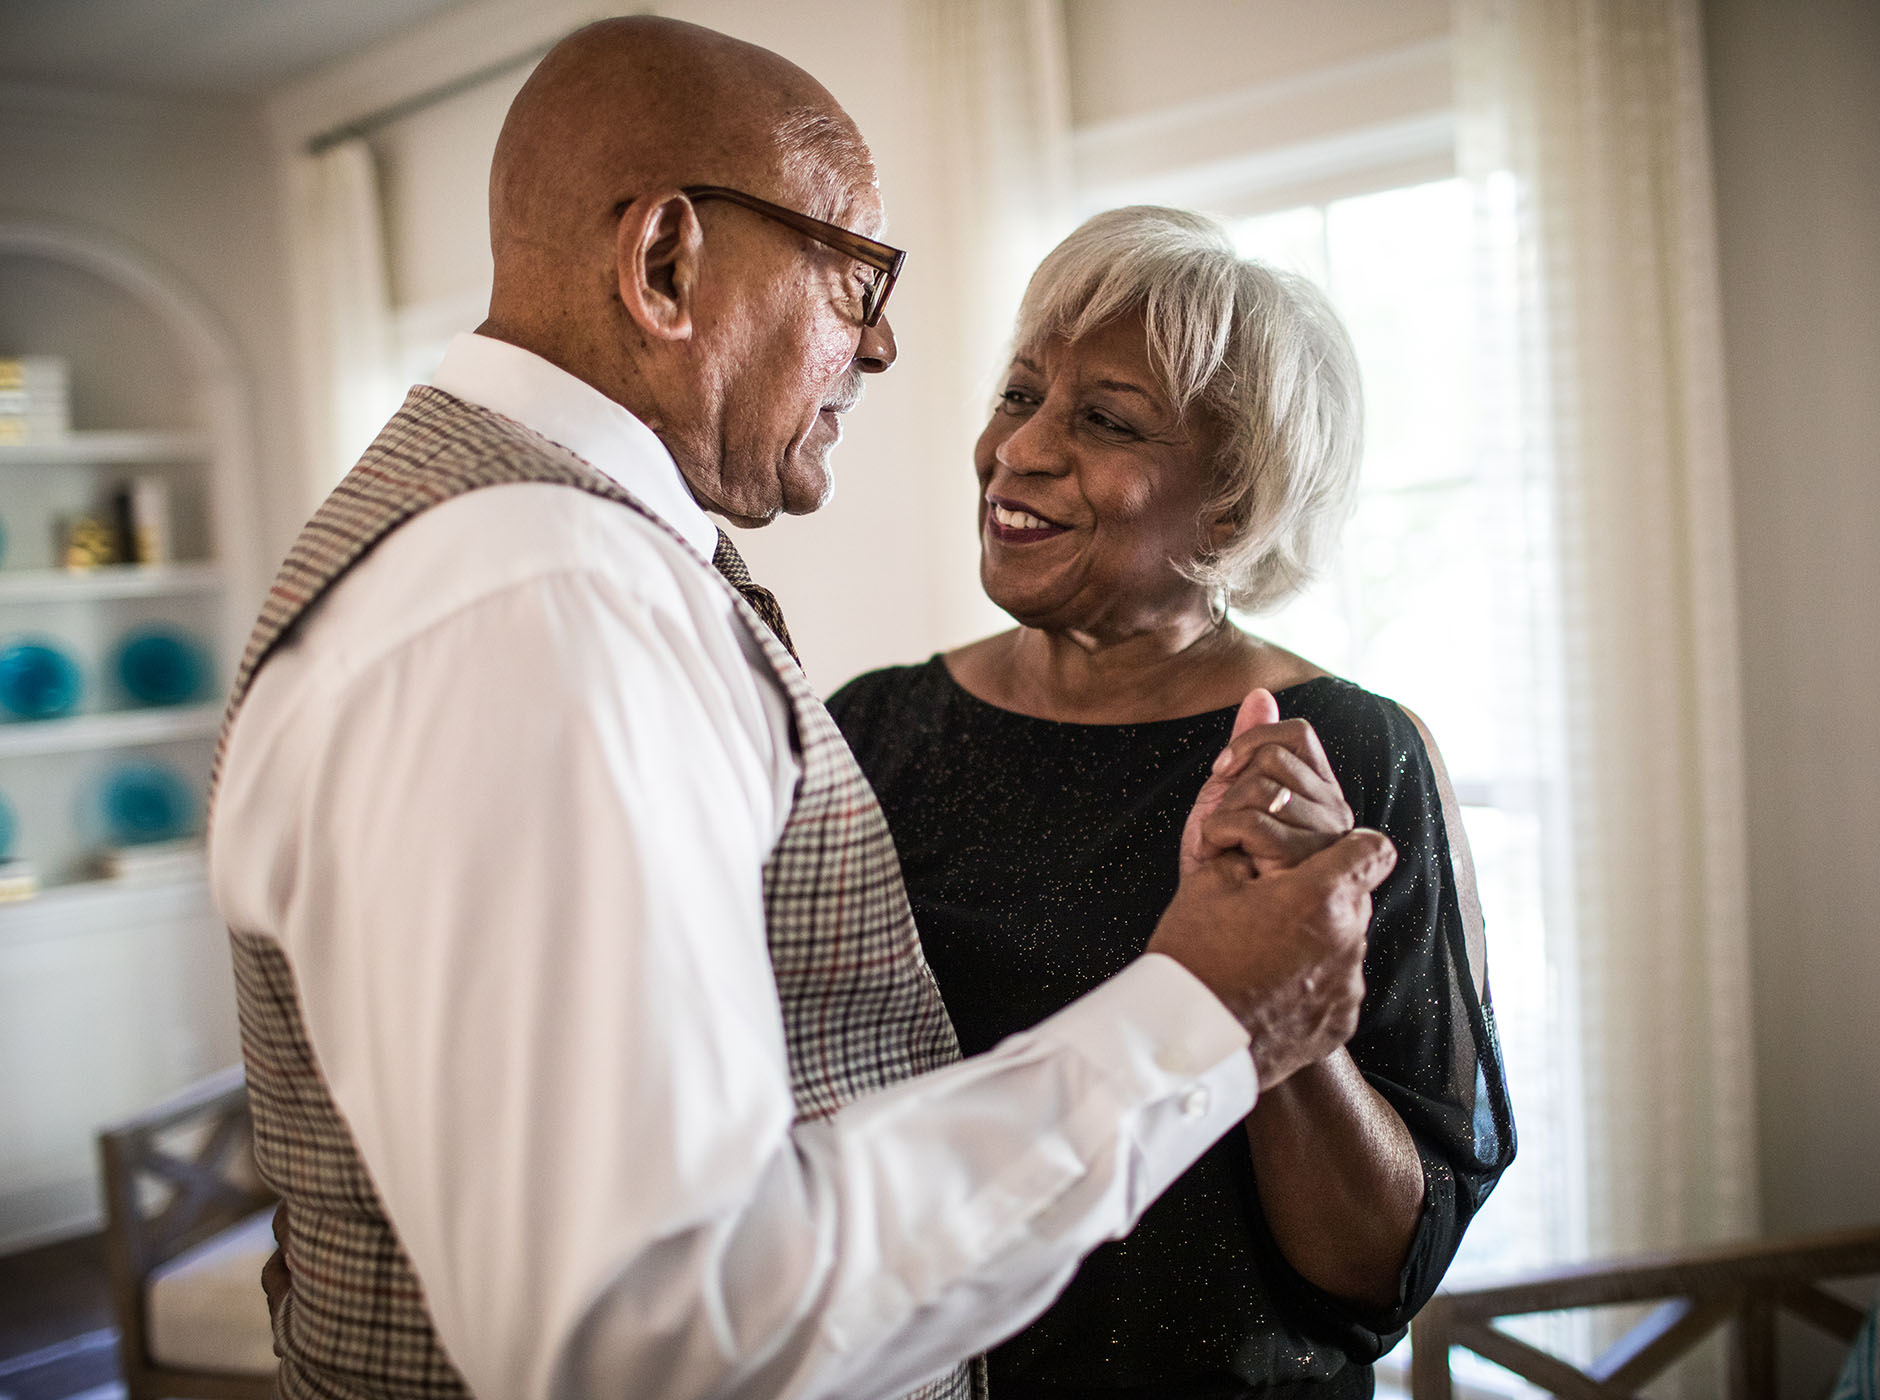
(1155, 1020)
(1164, 1043)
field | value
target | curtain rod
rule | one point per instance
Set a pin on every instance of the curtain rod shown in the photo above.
(374, 121)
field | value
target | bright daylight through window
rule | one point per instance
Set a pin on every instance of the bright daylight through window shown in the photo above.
(1408, 611)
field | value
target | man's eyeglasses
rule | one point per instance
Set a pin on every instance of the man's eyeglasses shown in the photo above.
(884, 261)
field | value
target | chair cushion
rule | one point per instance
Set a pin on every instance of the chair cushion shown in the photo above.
(207, 1310)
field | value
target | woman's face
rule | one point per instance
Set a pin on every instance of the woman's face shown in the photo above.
(1091, 490)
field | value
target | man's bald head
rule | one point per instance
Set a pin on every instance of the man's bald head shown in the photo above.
(633, 104)
(735, 337)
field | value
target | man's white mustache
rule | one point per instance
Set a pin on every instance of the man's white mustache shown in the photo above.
(848, 395)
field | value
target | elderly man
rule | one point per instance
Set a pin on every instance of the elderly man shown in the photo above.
(588, 1037)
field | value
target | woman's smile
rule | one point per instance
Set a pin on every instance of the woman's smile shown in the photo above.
(1010, 522)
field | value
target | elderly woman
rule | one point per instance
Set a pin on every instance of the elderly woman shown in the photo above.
(1178, 434)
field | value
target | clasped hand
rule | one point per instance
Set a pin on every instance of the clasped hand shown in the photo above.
(1275, 894)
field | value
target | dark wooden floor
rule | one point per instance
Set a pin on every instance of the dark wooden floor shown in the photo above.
(57, 1337)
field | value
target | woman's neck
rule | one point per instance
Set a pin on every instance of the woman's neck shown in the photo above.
(1185, 668)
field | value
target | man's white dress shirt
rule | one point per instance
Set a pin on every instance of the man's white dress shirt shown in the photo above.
(504, 800)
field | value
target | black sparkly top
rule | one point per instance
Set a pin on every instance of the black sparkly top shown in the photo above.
(1038, 857)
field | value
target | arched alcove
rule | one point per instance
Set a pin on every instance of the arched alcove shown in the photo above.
(114, 985)
(139, 293)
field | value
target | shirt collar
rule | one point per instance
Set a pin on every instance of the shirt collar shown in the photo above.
(519, 384)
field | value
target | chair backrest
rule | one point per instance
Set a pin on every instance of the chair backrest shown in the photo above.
(1740, 1286)
(174, 1176)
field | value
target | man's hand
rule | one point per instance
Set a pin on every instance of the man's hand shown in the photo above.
(276, 1281)
(1284, 951)
(1272, 794)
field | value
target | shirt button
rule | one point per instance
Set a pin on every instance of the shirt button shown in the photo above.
(1194, 1102)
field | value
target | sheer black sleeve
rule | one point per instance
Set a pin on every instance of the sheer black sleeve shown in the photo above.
(1426, 1039)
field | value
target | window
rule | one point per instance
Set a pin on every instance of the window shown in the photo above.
(1408, 611)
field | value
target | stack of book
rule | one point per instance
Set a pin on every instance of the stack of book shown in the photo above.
(18, 880)
(35, 399)
(153, 861)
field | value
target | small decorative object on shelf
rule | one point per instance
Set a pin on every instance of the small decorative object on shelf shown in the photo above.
(161, 665)
(18, 880)
(38, 681)
(35, 404)
(144, 802)
(87, 542)
(143, 509)
(153, 861)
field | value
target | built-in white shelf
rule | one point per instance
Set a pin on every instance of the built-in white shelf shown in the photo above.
(110, 581)
(85, 907)
(113, 992)
(107, 448)
(109, 729)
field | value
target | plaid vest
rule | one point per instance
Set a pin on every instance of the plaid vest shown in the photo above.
(860, 1008)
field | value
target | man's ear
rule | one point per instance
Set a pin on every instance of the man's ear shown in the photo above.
(658, 246)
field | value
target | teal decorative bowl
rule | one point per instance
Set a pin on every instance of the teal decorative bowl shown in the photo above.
(38, 681)
(162, 666)
(145, 802)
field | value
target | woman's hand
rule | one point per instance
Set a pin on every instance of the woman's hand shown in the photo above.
(1272, 794)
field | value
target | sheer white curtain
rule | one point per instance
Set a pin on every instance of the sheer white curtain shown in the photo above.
(1583, 132)
(1000, 186)
(1000, 78)
(344, 329)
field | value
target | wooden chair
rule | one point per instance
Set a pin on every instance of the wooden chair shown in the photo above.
(185, 1215)
(1742, 1286)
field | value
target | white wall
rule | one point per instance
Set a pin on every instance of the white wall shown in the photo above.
(1795, 93)
(1128, 58)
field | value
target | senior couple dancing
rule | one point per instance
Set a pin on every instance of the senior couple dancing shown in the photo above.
(598, 1042)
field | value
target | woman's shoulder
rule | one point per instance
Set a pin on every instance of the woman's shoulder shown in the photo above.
(892, 719)
(1335, 705)
(1376, 747)
(891, 695)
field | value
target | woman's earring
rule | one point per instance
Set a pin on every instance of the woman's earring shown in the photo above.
(1217, 604)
